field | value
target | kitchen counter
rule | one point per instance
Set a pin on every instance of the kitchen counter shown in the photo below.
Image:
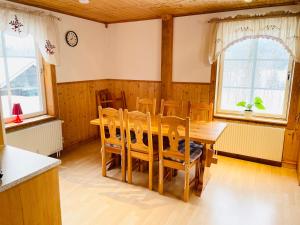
(19, 165)
(29, 188)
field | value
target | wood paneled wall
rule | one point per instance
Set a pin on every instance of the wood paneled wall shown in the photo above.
(77, 102)
(77, 106)
(194, 92)
(134, 89)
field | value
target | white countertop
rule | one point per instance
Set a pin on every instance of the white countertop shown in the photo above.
(20, 165)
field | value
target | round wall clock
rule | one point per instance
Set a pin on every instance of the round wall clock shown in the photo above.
(71, 38)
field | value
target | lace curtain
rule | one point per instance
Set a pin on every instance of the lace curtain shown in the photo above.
(283, 29)
(43, 29)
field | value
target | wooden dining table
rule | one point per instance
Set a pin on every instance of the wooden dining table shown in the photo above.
(205, 132)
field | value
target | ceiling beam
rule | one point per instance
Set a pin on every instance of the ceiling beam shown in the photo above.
(166, 56)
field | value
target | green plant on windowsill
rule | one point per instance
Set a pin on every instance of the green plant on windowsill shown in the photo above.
(258, 103)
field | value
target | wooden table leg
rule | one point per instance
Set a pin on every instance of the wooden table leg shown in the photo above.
(200, 172)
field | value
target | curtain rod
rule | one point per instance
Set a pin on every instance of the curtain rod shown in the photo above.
(257, 16)
(27, 10)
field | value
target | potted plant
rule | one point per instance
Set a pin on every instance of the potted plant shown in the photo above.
(258, 103)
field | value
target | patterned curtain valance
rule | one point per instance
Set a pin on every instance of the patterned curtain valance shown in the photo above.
(43, 29)
(283, 29)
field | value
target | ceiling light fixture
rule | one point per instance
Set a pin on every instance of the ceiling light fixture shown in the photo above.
(248, 1)
(84, 1)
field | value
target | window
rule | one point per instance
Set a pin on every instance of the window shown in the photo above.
(254, 68)
(20, 76)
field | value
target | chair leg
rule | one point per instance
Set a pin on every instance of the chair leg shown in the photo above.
(150, 174)
(129, 168)
(161, 177)
(186, 194)
(103, 162)
(123, 165)
(201, 175)
(200, 179)
(197, 175)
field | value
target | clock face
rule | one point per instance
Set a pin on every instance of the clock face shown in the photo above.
(71, 38)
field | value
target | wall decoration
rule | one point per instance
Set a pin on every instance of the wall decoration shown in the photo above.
(16, 24)
(49, 47)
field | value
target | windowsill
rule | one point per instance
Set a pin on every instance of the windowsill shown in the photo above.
(262, 120)
(10, 127)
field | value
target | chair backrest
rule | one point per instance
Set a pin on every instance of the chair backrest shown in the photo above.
(175, 128)
(110, 118)
(104, 98)
(120, 102)
(171, 108)
(146, 105)
(138, 123)
(201, 111)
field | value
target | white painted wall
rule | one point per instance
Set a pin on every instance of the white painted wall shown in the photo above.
(134, 50)
(86, 61)
(190, 49)
(191, 40)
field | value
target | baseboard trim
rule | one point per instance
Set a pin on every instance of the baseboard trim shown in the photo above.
(251, 159)
(289, 164)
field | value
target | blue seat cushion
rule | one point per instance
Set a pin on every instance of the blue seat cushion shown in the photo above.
(195, 150)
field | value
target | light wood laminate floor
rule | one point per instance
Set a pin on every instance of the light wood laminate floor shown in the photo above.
(237, 193)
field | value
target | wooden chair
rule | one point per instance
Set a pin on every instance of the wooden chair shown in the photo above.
(179, 156)
(120, 102)
(146, 105)
(106, 100)
(111, 141)
(200, 111)
(204, 112)
(139, 123)
(171, 108)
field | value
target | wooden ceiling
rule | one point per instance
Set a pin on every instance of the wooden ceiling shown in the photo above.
(112, 11)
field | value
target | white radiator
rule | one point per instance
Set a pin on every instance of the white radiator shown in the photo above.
(257, 141)
(44, 139)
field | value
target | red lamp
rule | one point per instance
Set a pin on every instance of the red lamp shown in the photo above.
(17, 110)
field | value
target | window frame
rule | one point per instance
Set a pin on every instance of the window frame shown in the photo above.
(231, 113)
(40, 77)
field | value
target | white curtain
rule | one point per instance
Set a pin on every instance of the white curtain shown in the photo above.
(43, 29)
(283, 29)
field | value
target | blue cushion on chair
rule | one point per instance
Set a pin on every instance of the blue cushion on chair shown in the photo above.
(195, 149)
